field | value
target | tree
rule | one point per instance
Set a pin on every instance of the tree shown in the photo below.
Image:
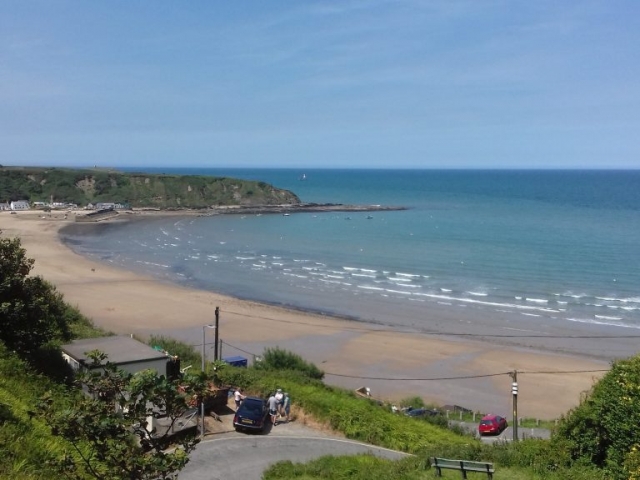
(109, 427)
(32, 312)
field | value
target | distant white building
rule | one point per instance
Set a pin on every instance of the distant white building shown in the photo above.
(105, 206)
(5, 206)
(20, 205)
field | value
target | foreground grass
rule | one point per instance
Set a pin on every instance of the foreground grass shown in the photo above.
(26, 443)
(367, 467)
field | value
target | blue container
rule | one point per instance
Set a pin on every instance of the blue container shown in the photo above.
(236, 361)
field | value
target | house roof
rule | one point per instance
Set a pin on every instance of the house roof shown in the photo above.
(119, 349)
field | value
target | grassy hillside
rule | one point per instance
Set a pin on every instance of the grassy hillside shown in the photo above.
(135, 189)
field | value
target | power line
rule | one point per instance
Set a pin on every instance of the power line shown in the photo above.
(240, 349)
(463, 377)
(383, 329)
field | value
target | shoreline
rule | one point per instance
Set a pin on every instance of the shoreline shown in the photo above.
(126, 302)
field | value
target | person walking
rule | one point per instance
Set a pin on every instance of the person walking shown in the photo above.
(238, 397)
(273, 409)
(286, 406)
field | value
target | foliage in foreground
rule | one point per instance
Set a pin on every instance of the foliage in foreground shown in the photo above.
(26, 444)
(110, 428)
(356, 467)
(603, 429)
(366, 467)
(32, 312)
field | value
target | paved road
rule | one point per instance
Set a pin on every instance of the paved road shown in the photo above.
(235, 455)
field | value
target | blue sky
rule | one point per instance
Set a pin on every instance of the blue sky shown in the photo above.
(414, 84)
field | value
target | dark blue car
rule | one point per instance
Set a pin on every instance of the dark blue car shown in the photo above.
(251, 415)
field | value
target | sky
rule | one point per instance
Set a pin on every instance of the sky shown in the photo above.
(315, 84)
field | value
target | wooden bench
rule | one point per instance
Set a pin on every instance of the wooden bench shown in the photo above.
(463, 466)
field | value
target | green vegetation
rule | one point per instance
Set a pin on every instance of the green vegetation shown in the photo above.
(603, 429)
(278, 359)
(82, 187)
(32, 312)
(358, 467)
(26, 444)
(186, 353)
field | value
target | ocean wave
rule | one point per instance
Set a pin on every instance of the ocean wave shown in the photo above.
(599, 322)
(536, 300)
(370, 287)
(487, 303)
(605, 317)
(477, 294)
(396, 279)
(401, 292)
(152, 264)
(410, 275)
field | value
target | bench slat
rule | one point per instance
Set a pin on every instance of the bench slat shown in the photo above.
(462, 466)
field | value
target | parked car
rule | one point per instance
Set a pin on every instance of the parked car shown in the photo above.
(492, 424)
(251, 415)
(421, 412)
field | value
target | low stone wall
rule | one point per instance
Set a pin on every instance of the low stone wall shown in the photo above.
(97, 216)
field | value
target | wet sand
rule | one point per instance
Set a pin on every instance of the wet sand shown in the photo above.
(398, 365)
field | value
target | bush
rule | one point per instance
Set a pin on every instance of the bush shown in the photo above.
(603, 429)
(186, 353)
(278, 359)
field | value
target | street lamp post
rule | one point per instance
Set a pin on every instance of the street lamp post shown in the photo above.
(204, 353)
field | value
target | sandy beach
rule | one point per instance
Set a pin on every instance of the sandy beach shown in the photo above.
(397, 365)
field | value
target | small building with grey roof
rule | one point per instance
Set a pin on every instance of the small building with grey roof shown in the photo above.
(126, 353)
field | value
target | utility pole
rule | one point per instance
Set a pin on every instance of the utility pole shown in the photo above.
(204, 366)
(514, 392)
(215, 351)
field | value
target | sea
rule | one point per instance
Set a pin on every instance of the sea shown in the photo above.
(530, 257)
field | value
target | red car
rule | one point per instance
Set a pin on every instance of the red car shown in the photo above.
(492, 424)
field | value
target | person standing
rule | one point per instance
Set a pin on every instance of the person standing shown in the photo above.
(238, 397)
(279, 398)
(286, 406)
(273, 409)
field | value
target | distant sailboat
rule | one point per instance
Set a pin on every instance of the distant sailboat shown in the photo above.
(303, 176)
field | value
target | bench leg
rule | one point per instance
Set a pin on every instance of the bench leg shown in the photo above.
(463, 471)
